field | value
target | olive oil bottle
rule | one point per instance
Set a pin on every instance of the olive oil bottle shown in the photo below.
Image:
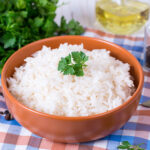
(122, 17)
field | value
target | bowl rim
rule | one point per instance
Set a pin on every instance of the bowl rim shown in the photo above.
(75, 118)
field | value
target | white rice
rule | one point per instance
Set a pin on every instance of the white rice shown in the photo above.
(39, 85)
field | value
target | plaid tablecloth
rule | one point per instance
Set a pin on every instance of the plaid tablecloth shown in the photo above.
(137, 130)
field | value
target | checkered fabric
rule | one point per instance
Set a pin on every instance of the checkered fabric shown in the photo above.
(137, 130)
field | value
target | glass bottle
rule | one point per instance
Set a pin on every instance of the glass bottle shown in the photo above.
(146, 62)
(122, 17)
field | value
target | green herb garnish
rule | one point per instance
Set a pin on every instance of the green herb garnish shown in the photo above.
(126, 145)
(73, 64)
(25, 21)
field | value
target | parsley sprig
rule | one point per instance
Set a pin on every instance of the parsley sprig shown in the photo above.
(127, 146)
(73, 64)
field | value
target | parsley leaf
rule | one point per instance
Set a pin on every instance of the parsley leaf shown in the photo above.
(72, 28)
(127, 146)
(69, 70)
(9, 40)
(75, 67)
(78, 69)
(25, 21)
(79, 57)
(62, 64)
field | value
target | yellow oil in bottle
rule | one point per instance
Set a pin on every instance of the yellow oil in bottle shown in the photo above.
(124, 18)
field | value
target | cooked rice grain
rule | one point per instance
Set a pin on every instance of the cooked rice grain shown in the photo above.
(39, 85)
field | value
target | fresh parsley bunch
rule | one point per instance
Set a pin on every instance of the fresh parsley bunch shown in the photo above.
(73, 64)
(24, 21)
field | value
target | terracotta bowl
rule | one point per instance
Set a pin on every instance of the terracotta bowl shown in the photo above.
(72, 129)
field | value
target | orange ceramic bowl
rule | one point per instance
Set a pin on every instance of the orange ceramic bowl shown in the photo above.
(72, 129)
